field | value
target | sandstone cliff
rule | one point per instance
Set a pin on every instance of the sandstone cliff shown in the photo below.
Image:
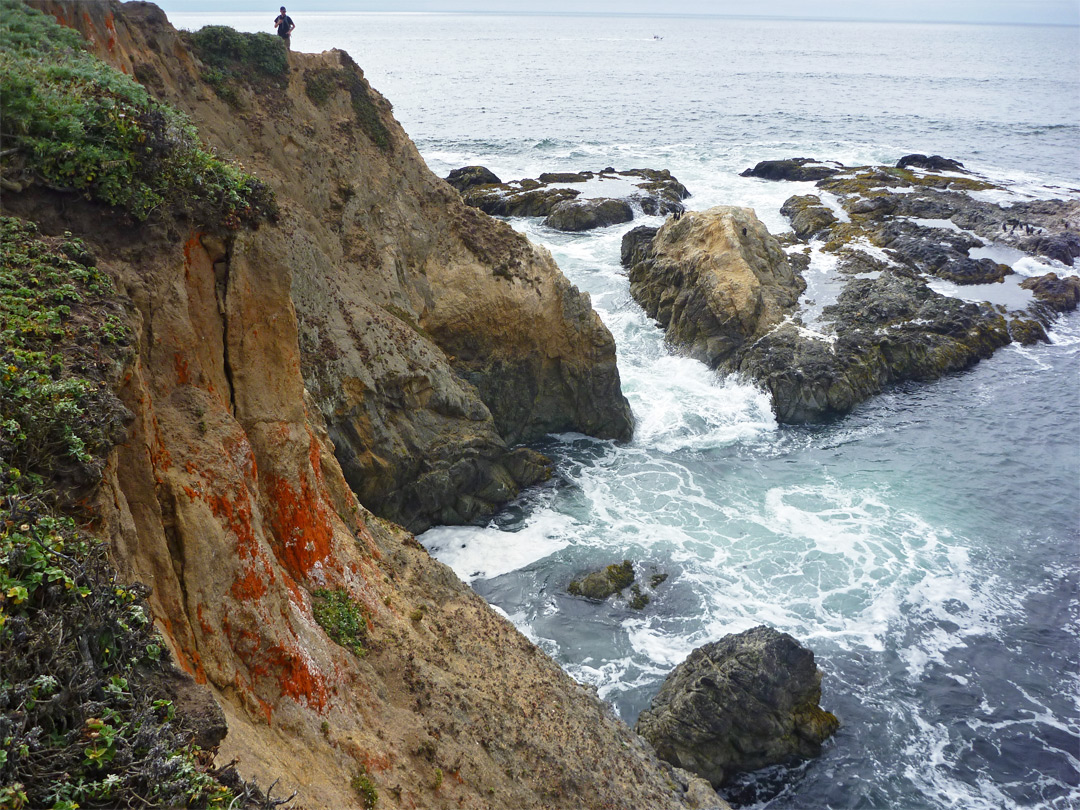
(381, 319)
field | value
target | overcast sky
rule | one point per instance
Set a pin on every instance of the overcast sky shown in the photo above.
(1059, 12)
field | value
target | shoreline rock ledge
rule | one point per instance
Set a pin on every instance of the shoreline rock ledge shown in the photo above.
(742, 703)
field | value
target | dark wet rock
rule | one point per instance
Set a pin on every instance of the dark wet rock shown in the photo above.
(599, 585)
(939, 252)
(739, 704)
(584, 215)
(654, 191)
(881, 331)
(465, 178)
(1062, 294)
(1062, 247)
(808, 215)
(933, 163)
(635, 244)
(793, 169)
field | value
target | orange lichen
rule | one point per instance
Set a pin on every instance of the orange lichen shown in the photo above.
(183, 375)
(297, 679)
(300, 525)
(249, 586)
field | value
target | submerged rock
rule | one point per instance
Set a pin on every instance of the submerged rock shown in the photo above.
(738, 704)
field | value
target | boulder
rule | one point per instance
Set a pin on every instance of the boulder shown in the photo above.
(469, 176)
(793, 169)
(933, 163)
(808, 215)
(715, 280)
(584, 215)
(738, 704)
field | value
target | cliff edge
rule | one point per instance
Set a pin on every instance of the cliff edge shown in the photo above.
(378, 334)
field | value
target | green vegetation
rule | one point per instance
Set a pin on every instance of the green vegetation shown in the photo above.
(252, 56)
(71, 122)
(63, 336)
(341, 618)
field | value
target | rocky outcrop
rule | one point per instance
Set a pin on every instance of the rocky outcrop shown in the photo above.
(567, 208)
(716, 281)
(880, 331)
(380, 308)
(1059, 294)
(738, 704)
(793, 169)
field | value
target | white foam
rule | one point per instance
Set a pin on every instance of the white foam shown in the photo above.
(481, 552)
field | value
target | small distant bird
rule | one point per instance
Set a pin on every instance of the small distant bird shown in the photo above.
(744, 231)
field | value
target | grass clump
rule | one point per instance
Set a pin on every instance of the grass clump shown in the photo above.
(342, 619)
(320, 84)
(72, 123)
(364, 108)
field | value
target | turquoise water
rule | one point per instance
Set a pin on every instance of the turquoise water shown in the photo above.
(926, 546)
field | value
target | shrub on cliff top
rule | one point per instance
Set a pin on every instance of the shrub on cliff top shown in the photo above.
(71, 122)
(241, 54)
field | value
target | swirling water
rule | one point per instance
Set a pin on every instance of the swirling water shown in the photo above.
(925, 546)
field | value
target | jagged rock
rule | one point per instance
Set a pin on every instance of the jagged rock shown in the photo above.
(566, 177)
(738, 704)
(465, 178)
(715, 280)
(1060, 294)
(1027, 331)
(808, 215)
(584, 215)
(873, 207)
(934, 163)
(792, 169)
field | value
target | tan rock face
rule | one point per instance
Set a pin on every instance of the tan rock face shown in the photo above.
(716, 280)
(397, 321)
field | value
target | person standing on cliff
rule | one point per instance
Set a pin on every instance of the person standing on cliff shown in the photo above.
(285, 27)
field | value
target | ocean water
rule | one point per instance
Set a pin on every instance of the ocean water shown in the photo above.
(926, 547)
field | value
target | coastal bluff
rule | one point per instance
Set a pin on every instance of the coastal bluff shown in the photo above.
(375, 354)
